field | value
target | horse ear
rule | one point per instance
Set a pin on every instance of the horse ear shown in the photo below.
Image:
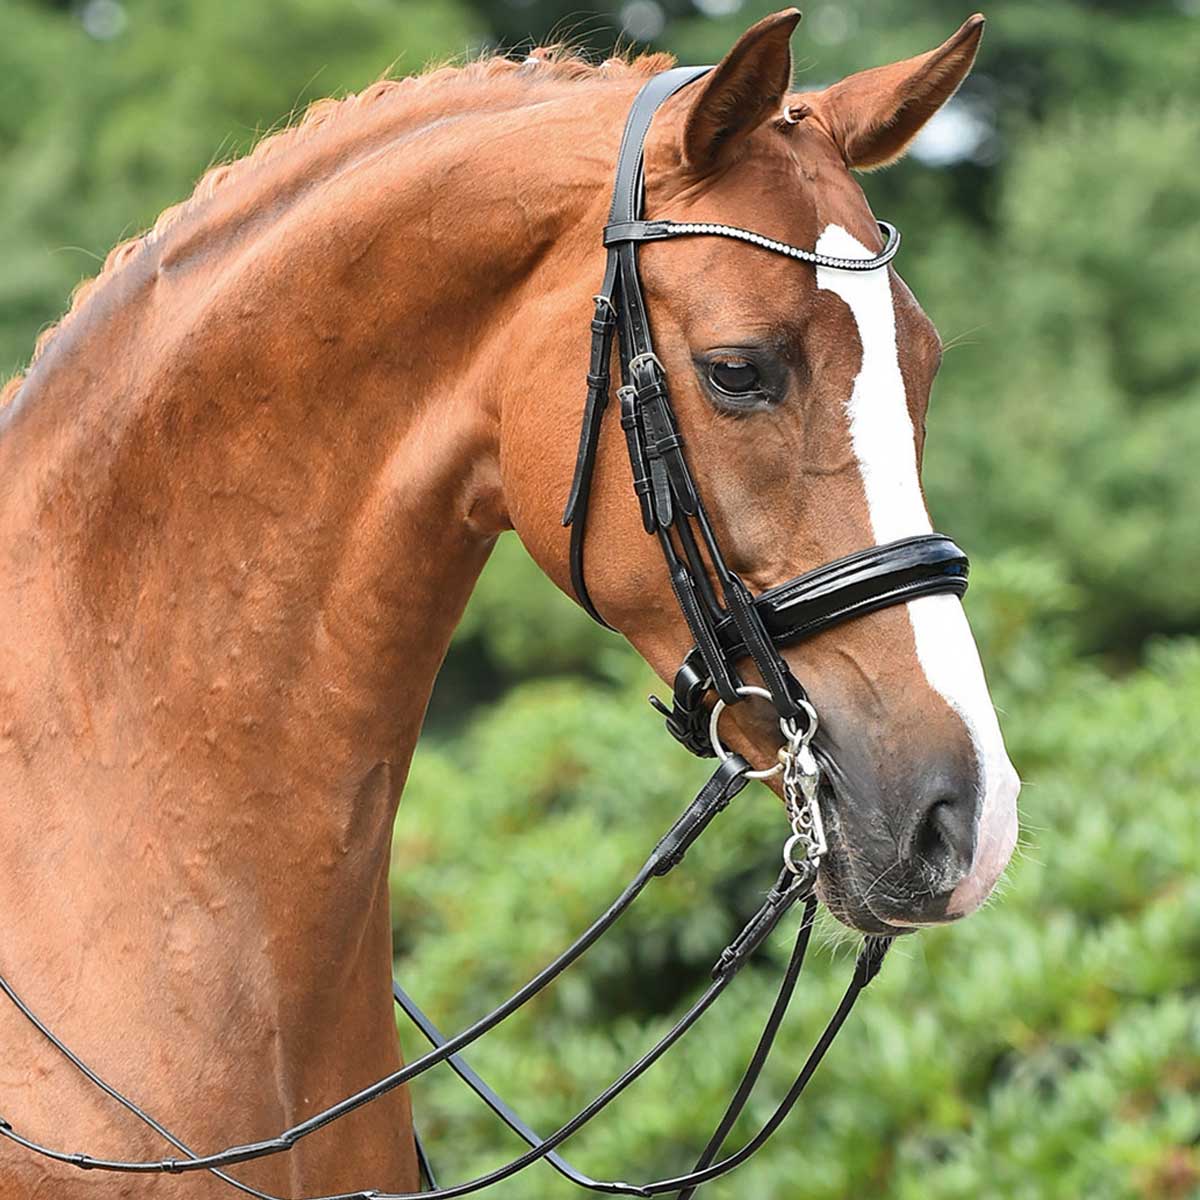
(744, 89)
(874, 115)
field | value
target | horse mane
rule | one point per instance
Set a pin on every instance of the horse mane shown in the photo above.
(559, 62)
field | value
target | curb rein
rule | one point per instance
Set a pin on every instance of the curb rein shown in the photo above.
(725, 631)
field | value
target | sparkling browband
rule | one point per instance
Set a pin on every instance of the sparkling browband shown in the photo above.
(656, 231)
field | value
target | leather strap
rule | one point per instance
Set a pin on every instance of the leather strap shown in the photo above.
(604, 324)
(627, 187)
(853, 586)
(627, 192)
(779, 901)
(725, 783)
(839, 591)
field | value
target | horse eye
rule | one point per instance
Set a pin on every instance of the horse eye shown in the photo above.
(734, 376)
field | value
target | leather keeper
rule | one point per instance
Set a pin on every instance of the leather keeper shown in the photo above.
(726, 781)
(780, 898)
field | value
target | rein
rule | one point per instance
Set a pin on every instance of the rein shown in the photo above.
(728, 625)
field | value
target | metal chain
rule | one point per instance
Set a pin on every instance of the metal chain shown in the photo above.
(803, 851)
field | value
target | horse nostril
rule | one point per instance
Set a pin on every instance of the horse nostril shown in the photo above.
(942, 844)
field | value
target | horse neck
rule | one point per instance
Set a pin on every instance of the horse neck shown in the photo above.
(242, 540)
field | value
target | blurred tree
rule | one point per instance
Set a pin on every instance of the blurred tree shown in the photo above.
(1072, 419)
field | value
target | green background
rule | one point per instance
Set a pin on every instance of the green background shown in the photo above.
(1050, 1046)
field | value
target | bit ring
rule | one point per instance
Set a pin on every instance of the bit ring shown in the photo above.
(785, 727)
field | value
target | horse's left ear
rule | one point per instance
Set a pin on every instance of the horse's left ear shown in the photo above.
(745, 88)
(874, 115)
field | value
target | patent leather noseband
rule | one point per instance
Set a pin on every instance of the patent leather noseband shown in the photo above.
(729, 626)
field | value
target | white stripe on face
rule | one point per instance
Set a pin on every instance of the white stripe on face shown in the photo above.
(884, 443)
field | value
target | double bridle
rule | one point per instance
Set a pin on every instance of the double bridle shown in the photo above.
(728, 625)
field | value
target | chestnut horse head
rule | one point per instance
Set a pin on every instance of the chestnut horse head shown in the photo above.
(247, 486)
(802, 396)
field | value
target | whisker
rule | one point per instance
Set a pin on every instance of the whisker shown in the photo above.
(962, 339)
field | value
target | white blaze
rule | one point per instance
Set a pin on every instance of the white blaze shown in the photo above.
(881, 433)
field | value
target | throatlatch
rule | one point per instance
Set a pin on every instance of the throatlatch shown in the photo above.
(728, 625)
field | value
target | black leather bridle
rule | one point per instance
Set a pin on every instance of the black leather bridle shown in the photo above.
(729, 625)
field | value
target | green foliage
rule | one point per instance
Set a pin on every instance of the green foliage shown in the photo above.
(1050, 1046)
(549, 632)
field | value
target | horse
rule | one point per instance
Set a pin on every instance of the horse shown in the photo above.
(249, 480)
